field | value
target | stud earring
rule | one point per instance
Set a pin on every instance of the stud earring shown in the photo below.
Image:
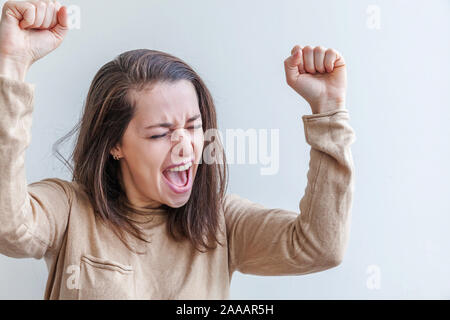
(116, 157)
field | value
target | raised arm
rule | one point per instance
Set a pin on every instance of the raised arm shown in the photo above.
(32, 217)
(265, 241)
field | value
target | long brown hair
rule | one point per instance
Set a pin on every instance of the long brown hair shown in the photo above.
(106, 115)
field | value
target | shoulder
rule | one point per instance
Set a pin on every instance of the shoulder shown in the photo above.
(57, 188)
(234, 203)
(52, 186)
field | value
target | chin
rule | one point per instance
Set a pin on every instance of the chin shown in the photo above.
(178, 202)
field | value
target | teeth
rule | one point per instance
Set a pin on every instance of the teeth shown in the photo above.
(182, 167)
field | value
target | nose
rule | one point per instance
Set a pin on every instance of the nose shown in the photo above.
(182, 146)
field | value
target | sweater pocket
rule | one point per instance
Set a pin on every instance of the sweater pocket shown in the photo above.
(105, 279)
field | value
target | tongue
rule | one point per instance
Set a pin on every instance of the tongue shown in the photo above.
(178, 178)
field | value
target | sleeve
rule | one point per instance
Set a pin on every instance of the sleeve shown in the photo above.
(33, 217)
(265, 241)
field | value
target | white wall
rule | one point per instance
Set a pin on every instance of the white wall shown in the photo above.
(398, 99)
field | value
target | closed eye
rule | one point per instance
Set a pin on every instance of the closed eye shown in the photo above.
(163, 135)
(195, 127)
(158, 136)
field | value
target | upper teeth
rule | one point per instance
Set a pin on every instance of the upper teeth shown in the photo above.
(182, 167)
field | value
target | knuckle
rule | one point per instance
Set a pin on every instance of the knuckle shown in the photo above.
(31, 13)
(319, 49)
(310, 69)
(329, 54)
(295, 47)
(8, 4)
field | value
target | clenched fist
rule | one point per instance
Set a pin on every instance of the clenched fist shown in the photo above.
(29, 30)
(319, 76)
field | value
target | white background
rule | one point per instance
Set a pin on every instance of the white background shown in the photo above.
(398, 98)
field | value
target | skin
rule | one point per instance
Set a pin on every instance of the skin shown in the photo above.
(143, 158)
(318, 75)
(29, 30)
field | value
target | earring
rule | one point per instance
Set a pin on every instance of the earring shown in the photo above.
(116, 157)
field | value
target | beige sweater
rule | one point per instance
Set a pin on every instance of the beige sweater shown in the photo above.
(53, 219)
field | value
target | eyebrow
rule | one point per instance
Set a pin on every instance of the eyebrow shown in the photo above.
(168, 125)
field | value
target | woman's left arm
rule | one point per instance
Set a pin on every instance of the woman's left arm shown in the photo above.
(265, 241)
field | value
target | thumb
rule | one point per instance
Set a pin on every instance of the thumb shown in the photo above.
(62, 27)
(339, 61)
(294, 65)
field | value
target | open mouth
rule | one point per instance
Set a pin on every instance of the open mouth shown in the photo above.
(179, 180)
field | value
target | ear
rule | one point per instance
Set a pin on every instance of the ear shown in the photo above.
(116, 151)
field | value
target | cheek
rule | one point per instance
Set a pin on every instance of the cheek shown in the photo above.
(198, 145)
(151, 158)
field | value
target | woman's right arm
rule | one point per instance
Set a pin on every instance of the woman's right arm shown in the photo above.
(32, 217)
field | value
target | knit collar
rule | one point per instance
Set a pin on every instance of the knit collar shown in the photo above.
(148, 215)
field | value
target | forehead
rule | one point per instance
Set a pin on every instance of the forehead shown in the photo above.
(165, 102)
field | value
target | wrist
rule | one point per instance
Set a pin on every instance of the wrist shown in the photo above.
(327, 105)
(13, 69)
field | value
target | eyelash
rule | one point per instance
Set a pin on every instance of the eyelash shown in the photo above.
(163, 135)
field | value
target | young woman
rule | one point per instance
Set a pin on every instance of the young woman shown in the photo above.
(145, 216)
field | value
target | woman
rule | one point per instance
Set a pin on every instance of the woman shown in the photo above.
(145, 215)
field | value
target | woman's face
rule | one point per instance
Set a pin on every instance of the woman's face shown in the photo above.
(165, 131)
